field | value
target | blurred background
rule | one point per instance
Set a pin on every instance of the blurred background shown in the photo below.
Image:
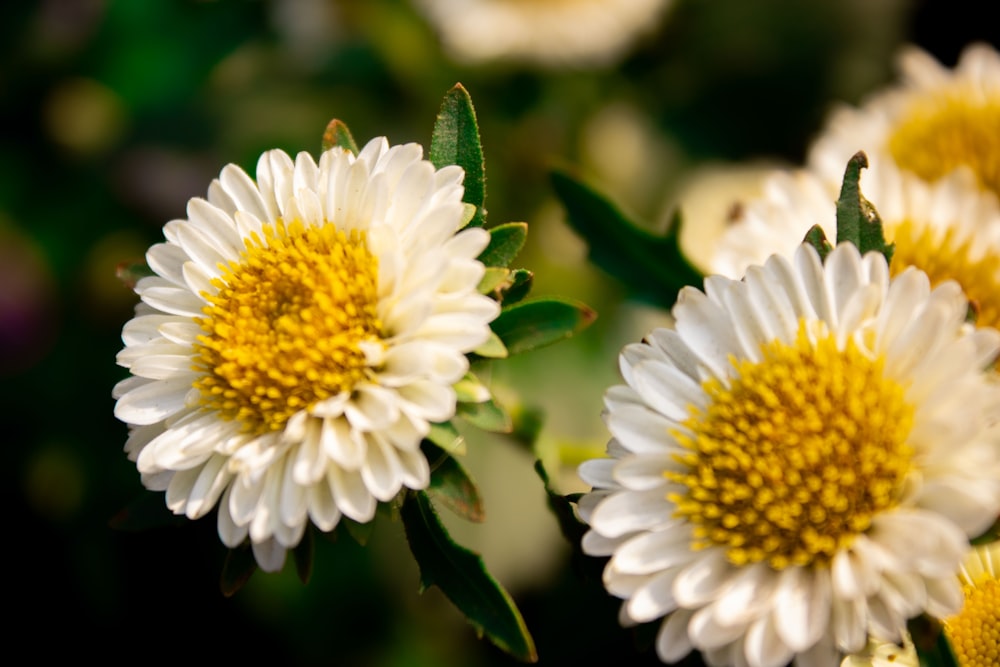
(116, 112)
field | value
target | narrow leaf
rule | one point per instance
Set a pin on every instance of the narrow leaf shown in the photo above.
(455, 140)
(452, 486)
(506, 242)
(857, 220)
(494, 279)
(447, 437)
(492, 348)
(359, 532)
(303, 555)
(470, 390)
(816, 237)
(338, 135)
(237, 569)
(147, 511)
(462, 577)
(486, 415)
(533, 324)
(651, 266)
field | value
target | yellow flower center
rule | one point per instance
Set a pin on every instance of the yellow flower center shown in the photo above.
(944, 132)
(795, 455)
(946, 258)
(285, 328)
(974, 632)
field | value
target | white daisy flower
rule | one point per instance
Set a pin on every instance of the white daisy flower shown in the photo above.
(548, 32)
(974, 632)
(884, 654)
(798, 463)
(935, 121)
(949, 229)
(298, 339)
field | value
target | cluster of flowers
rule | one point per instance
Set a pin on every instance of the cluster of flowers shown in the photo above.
(798, 465)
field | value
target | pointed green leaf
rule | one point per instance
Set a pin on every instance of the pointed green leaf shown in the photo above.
(486, 415)
(359, 532)
(816, 237)
(470, 390)
(462, 577)
(148, 510)
(506, 242)
(303, 555)
(534, 324)
(521, 281)
(652, 267)
(857, 220)
(447, 437)
(237, 569)
(455, 140)
(131, 272)
(492, 348)
(338, 135)
(451, 485)
(494, 279)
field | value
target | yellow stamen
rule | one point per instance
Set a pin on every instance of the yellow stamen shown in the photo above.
(283, 330)
(793, 459)
(974, 633)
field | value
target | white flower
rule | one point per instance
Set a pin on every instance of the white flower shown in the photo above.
(549, 32)
(934, 121)
(298, 339)
(798, 463)
(884, 654)
(949, 229)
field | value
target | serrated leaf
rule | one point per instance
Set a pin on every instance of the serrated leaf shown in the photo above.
(304, 553)
(506, 242)
(816, 237)
(131, 272)
(857, 220)
(455, 140)
(338, 135)
(521, 281)
(147, 511)
(486, 415)
(462, 577)
(237, 569)
(451, 485)
(651, 266)
(534, 324)
(493, 348)
(447, 437)
(494, 278)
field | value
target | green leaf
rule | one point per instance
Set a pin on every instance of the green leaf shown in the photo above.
(506, 242)
(303, 554)
(338, 135)
(652, 267)
(470, 390)
(562, 507)
(131, 272)
(493, 348)
(930, 642)
(359, 532)
(237, 569)
(451, 485)
(494, 279)
(991, 535)
(533, 324)
(521, 281)
(447, 437)
(455, 140)
(486, 415)
(816, 237)
(148, 510)
(857, 220)
(462, 577)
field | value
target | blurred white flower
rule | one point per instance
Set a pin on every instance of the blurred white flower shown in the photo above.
(933, 122)
(799, 463)
(547, 32)
(299, 337)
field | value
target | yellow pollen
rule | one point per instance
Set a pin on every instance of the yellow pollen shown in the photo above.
(974, 632)
(943, 132)
(284, 329)
(792, 460)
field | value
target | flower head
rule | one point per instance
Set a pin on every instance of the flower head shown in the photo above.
(798, 463)
(549, 32)
(937, 120)
(974, 632)
(298, 338)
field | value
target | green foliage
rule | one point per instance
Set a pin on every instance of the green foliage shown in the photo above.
(817, 239)
(237, 569)
(456, 141)
(337, 134)
(931, 644)
(486, 415)
(652, 267)
(451, 485)
(304, 554)
(462, 577)
(857, 220)
(533, 324)
(506, 242)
